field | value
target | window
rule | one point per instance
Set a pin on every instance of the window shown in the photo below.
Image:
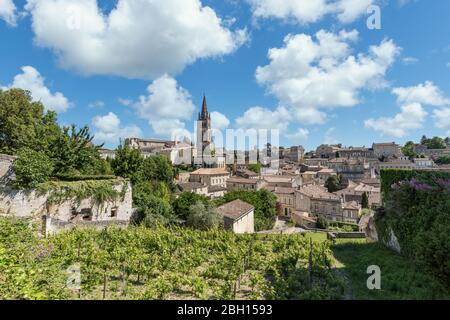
(114, 212)
(86, 214)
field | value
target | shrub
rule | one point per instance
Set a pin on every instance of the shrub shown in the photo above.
(417, 211)
(32, 168)
(204, 217)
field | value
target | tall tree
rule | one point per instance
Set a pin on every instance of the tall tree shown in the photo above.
(128, 163)
(333, 184)
(365, 201)
(24, 124)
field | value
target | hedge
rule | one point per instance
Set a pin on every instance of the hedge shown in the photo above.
(417, 209)
(389, 177)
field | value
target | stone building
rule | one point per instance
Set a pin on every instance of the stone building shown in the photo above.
(238, 183)
(327, 151)
(356, 152)
(351, 169)
(286, 200)
(54, 216)
(283, 181)
(355, 191)
(324, 174)
(351, 212)
(149, 147)
(316, 200)
(294, 154)
(195, 187)
(214, 178)
(386, 149)
(238, 216)
(206, 155)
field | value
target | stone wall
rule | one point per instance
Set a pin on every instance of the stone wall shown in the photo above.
(31, 204)
(6, 168)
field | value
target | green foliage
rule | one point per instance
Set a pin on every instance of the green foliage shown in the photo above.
(128, 164)
(204, 217)
(74, 153)
(99, 190)
(333, 184)
(322, 222)
(389, 177)
(159, 168)
(400, 279)
(162, 263)
(265, 204)
(443, 160)
(365, 201)
(23, 123)
(31, 168)
(183, 203)
(256, 168)
(434, 143)
(27, 268)
(152, 204)
(408, 149)
(417, 211)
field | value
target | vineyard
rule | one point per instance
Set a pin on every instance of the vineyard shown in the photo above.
(162, 263)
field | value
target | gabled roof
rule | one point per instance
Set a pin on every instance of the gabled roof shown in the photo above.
(236, 209)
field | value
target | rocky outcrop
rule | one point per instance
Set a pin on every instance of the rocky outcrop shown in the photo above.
(367, 225)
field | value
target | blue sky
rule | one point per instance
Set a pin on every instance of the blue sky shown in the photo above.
(142, 69)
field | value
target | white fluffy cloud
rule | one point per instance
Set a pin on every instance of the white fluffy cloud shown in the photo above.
(442, 118)
(308, 74)
(263, 118)
(30, 79)
(108, 129)
(309, 11)
(426, 93)
(330, 136)
(219, 121)
(300, 135)
(137, 39)
(8, 12)
(166, 107)
(412, 116)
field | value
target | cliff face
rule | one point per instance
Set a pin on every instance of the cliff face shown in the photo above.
(367, 225)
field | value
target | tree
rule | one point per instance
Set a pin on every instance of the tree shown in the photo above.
(73, 152)
(32, 168)
(436, 143)
(365, 201)
(256, 167)
(322, 222)
(128, 164)
(333, 184)
(423, 140)
(204, 217)
(265, 204)
(183, 203)
(24, 124)
(408, 149)
(443, 160)
(159, 168)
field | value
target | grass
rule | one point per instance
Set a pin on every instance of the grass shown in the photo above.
(400, 278)
(316, 236)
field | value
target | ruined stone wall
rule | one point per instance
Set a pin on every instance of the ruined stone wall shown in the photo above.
(31, 204)
(6, 168)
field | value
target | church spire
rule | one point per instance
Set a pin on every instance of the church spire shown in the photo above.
(205, 113)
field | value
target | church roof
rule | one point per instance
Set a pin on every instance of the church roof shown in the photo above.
(204, 114)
